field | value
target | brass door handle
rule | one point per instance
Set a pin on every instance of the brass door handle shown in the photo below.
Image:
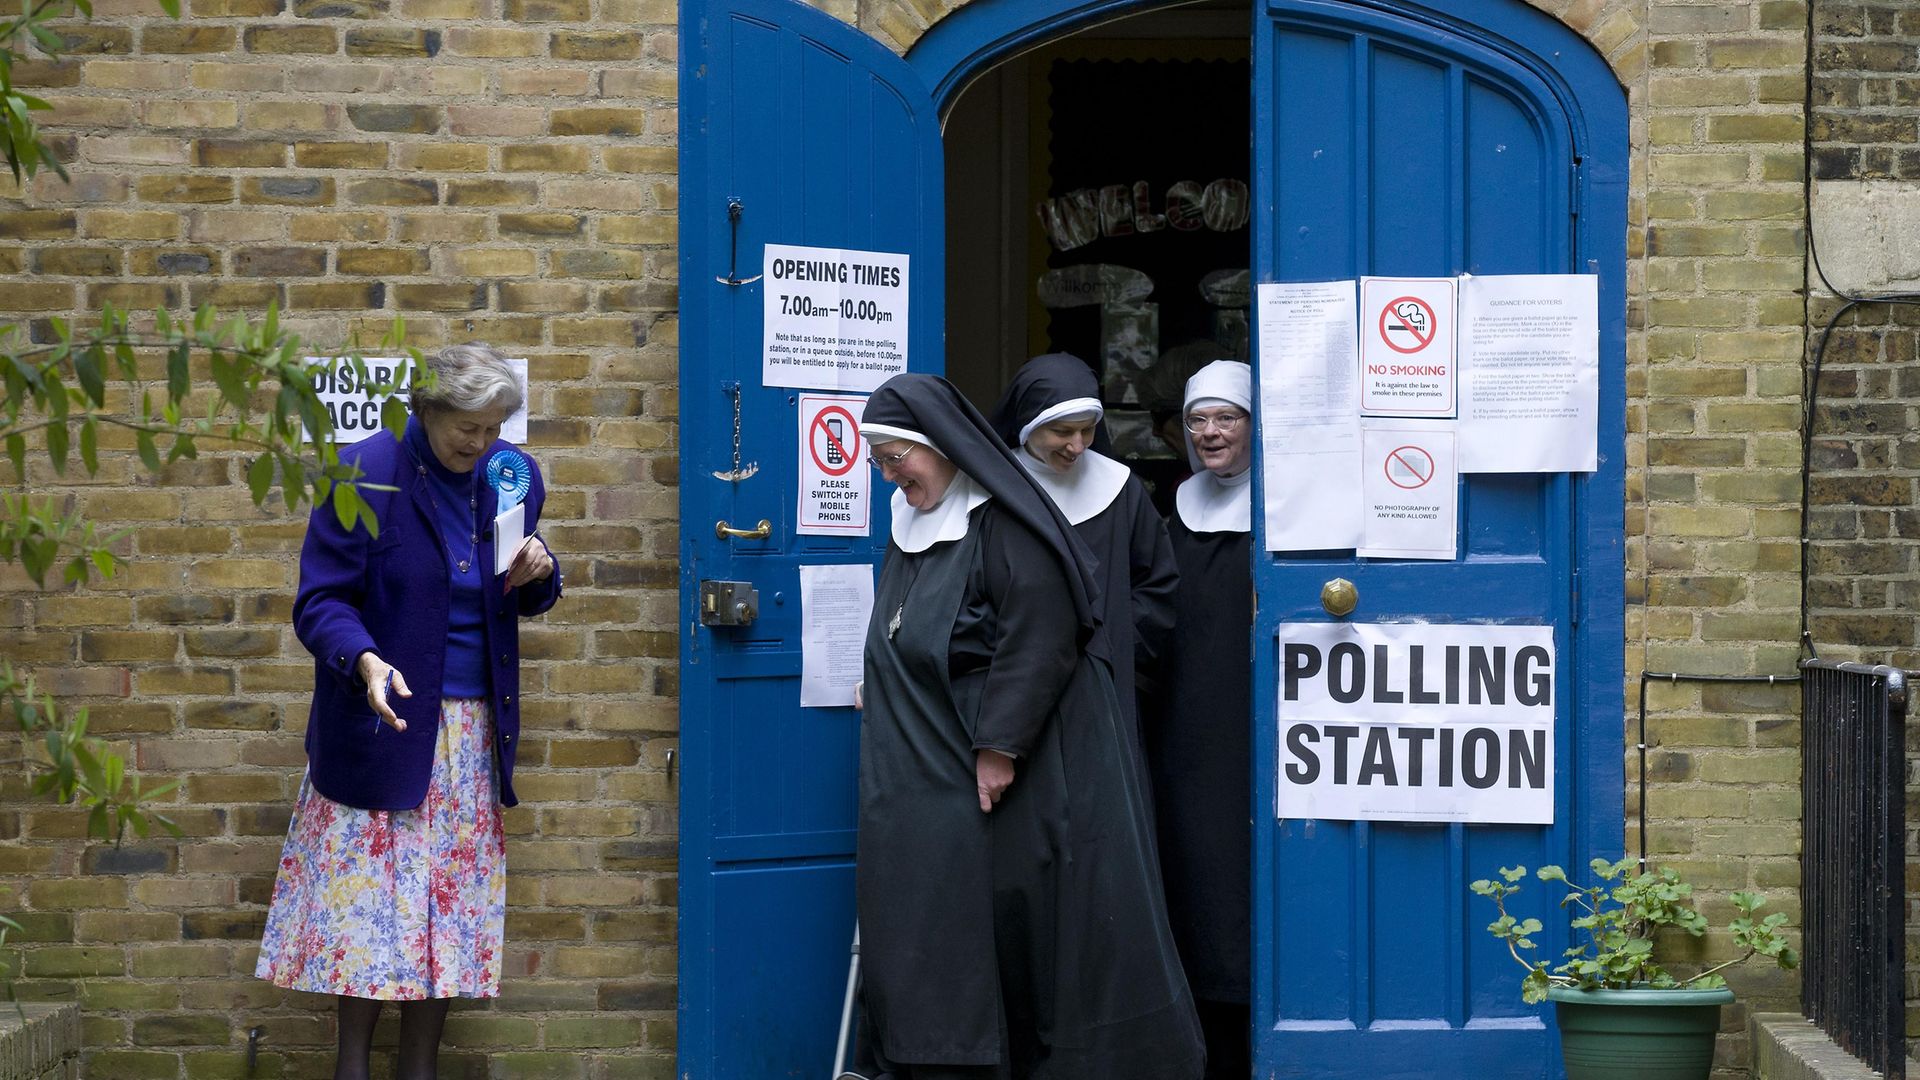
(759, 532)
(1338, 597)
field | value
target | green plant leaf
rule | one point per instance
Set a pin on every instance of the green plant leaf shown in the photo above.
(57, 447)
(179, 370)
(87, 370)
(260, 478)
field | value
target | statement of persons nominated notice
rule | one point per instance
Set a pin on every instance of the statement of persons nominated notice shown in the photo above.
(834, 319)
(1416, 722)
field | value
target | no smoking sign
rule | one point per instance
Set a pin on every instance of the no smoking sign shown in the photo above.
(1407, 346)
(835, 487)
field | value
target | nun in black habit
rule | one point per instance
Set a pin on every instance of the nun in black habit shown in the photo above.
(1200, 747)
(1050, 416)
(1011, 916)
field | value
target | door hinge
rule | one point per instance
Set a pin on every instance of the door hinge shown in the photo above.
(1575, 194)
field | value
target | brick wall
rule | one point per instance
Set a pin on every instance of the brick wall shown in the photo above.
(503, 170)
(500, 170)
(1864, 521)
(1866, 155)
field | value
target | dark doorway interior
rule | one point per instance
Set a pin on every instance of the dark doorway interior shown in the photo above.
(1097, 206)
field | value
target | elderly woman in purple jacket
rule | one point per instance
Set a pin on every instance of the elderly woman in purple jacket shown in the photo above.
(392, 884)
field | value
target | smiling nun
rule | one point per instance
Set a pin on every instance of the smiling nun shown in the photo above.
(1050, 416)
(1010, 909)
(1201, 749)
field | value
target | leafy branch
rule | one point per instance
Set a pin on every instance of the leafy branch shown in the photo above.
(264, 403)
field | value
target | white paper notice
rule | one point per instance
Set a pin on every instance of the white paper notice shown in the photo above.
(1530, 373)
(1407, 334)
(835, 319)
(1310, 427)
(509, 532)
(355, 417)
(1416, 722)
(834, 478)
(835, 603)
(1412, 501)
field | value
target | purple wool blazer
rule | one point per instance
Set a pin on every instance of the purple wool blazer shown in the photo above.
(391, 595)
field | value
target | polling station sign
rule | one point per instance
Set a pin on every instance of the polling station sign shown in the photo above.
(1416, 722)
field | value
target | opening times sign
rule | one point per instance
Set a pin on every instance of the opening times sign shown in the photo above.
(1416, 722)
(835, 319)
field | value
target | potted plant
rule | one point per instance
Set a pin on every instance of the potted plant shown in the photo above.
(1621, 1013)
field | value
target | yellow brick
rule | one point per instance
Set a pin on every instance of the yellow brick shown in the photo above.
(192, 114)
(493, 262)
(133, 75)
(644, 229)
(469, 41)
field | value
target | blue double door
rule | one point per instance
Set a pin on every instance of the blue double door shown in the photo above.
(1433, 140)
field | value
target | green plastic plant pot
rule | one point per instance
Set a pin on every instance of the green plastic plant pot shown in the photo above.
(1639, 1034)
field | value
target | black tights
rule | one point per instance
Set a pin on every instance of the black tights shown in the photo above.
(420, 1024)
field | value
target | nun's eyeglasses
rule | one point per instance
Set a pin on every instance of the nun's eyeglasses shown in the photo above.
(1224, 423)
(882, 461)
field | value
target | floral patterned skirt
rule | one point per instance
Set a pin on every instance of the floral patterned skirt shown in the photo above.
(397, 905)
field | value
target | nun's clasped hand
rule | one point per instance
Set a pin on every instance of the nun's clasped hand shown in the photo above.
(992, 776)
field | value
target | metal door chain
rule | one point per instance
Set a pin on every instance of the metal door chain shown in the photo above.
(736, 474)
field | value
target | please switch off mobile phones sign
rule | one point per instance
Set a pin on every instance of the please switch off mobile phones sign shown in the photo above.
(835, 482)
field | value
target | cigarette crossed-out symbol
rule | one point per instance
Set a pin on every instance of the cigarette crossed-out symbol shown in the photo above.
(1407, 324)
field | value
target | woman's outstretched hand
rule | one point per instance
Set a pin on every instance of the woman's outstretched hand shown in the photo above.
(992, 776)
(383, 681)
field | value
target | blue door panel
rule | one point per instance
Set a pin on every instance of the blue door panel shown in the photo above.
(1408, 925)
(784, 977)
(822, 137)
(1516, 219)
(1410, 131)
(1312, 162)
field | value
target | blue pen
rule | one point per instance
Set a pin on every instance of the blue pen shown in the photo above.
(389, 695)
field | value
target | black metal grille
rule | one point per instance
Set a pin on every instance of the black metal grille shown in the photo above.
(1852, 779)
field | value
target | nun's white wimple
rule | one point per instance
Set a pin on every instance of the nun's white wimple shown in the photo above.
(1080, 408)
(880, 433)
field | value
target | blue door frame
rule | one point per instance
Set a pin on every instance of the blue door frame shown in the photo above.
(760, 963)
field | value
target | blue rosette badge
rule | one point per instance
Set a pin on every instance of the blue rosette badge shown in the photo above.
(511, 477)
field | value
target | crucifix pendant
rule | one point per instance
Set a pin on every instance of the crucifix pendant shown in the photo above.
(893, 625)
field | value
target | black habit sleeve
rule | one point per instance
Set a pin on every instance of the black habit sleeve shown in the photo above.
(1156, 578)
(1034, 635)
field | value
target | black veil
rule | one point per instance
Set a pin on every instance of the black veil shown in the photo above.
(930, 405)
(1041, 383)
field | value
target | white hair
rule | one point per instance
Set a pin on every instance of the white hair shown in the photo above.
(469, 378)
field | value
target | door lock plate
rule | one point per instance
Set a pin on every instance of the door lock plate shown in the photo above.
(728, 603)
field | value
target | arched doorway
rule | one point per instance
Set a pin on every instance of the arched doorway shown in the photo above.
(1450, 138)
